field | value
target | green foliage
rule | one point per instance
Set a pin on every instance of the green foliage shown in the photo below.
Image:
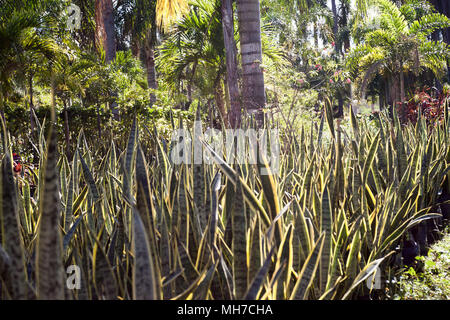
(398, 44)
(430, 283)
(323, 223)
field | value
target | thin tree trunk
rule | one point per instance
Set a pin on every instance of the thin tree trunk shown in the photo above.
(344, 23)
(66, 130)
(30, 92)
(402, 93)
(218, 96)
(316, 34)
(335, 24)
(2, 104)
(189, 85)
(99, 124)
(251, 53)
(234, 116)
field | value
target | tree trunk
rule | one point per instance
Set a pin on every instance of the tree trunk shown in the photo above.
(251, 53)
(104, 28)
(393, 91)
(218, 96)
(234, 116)
(316, 34)
(149, 50)
(66, 130)
(344, 24)
(136, 48)
(402, 94)
(30, 92)
(2, 105)
(150, 63)
(105, 38)
(335, 24)
(99, 124)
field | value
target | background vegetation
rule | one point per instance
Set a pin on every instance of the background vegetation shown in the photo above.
(358, 90)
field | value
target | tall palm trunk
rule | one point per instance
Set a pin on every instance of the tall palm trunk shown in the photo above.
(105, 37)
(149, 51)
(251, 53)
(104, 28)
(150, 64)
(234, 115)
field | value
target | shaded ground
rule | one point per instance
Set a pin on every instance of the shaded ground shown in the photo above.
(432, 282)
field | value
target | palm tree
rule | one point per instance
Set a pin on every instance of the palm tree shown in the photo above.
(21, 41)
(398, 46)
(193, 51)
(142, 21)
(253, 93)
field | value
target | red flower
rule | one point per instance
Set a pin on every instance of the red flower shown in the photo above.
(17, 167)
(331, 80)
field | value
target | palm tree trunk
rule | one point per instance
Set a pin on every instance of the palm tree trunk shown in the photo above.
(234, 116)
(251, 53)
(104, 28)
(105, 37)
(150, 62)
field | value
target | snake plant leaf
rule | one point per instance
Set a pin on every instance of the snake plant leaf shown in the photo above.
(10, 230)
(215, 187)
(308, 271)
(201, 292)
(49, 269)
(365, 273)
(233, 177)
(326, 226)
(144, 280)
(370, 156)
(257, 282)
(239, 244)
(93, 190)
(68, 213)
